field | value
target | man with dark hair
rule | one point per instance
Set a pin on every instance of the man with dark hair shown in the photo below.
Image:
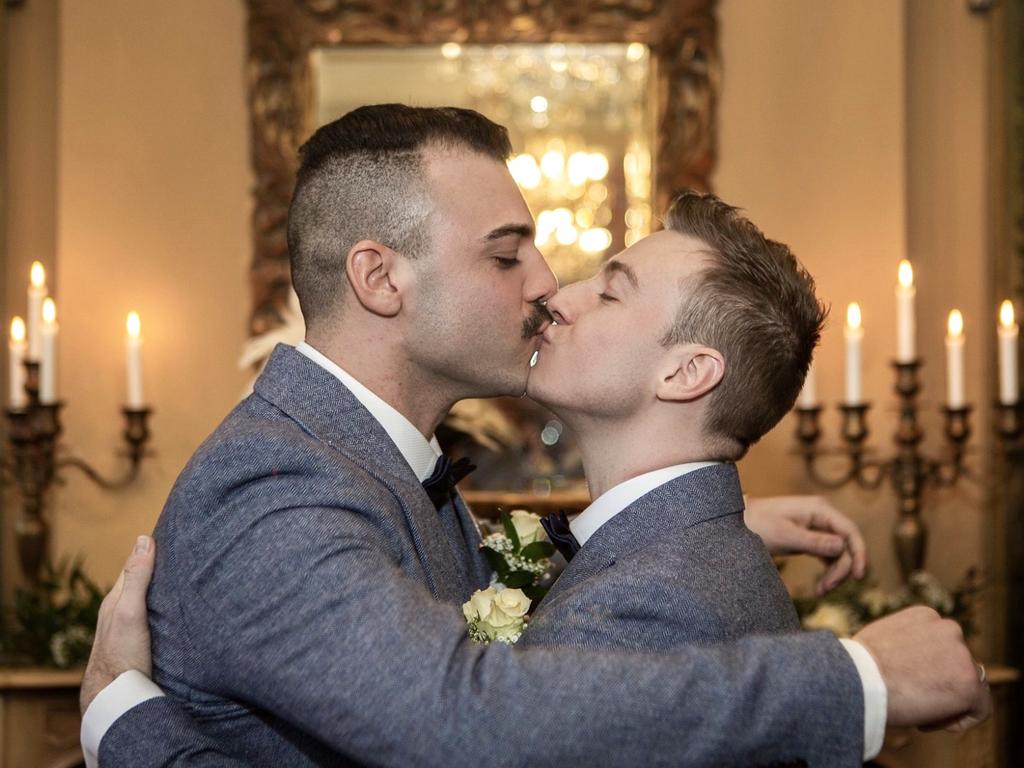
(314, 553)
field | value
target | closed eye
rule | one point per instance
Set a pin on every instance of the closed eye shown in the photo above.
(606, 298)
(506, 262)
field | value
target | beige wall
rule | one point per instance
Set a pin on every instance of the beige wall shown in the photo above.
(854, 131)
(153, 203)
(150, 140)
(812, 145)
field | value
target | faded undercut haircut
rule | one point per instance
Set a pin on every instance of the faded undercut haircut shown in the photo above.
(362, 177)
(755, 304)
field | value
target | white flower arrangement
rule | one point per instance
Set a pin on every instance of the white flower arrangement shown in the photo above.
(845, 610)
(495, 614)
(520, 556)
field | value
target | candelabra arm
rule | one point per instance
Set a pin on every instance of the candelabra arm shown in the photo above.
(107, 484)
(945, 474)
(830, 483)
(136, 435)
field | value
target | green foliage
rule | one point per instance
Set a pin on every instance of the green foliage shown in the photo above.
(516, 565)
(862, 602)
(52, 623)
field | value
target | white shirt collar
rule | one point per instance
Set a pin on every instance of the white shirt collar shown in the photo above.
(611, 502)
(420, 454)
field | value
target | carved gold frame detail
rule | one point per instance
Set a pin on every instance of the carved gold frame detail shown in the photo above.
(682, 35)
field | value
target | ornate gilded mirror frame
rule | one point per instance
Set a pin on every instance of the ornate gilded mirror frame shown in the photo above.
(681, 34)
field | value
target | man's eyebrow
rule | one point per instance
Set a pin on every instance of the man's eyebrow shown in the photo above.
(613, 266)
(521, 230)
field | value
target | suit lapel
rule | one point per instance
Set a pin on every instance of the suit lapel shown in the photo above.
(693, 498)
(479, 569)
(327, 410)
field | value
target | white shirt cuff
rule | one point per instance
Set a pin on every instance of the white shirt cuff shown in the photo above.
(876, 697)
(128, 690)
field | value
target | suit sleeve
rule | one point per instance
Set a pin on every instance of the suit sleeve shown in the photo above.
(157, 733)
(306, 613)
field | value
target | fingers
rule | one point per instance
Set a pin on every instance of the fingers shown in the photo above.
(138, 569)
(825, 546)
(835, 574)
(827, 517)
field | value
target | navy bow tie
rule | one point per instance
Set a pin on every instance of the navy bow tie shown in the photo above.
(557, 527)
(442, 481)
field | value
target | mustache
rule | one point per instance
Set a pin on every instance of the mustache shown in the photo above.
(533, 323)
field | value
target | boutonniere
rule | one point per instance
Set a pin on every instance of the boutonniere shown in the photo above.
(520, 556)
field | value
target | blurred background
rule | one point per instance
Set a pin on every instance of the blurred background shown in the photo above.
(146, 155)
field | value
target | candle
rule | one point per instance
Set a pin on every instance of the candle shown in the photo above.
(905, 320)
(955, 360)
(133, 350)
(48, 358)
(16, 363)
(854, 334)
(809, 394)
(36, 294)
(1008, 331)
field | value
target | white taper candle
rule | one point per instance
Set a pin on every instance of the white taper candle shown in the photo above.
(955, 360)
(17, 398)
(854, 333)
(809, 393)
(36, 294)
(1008, 332)
(48, 357)
(133, 360)
(906, 323)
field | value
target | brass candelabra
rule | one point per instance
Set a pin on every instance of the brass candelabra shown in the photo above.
(909, 471)
(34, 462)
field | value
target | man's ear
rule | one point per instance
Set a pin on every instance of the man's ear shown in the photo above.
(371, 269)
(689, 372)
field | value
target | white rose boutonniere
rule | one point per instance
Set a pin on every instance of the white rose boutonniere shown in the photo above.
(520, 556)
(496, 614)
(528, 527)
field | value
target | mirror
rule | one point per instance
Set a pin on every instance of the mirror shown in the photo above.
(579, 117)
(610, 105)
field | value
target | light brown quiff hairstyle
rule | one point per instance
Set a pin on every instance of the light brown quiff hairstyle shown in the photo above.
(755, 304)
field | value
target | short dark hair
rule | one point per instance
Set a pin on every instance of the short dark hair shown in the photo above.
(755, 304)
(361, 177)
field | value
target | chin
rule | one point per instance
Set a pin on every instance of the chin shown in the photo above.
(539, 390)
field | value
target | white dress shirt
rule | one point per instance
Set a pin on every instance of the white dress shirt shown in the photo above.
(616, 499)
(133, 688)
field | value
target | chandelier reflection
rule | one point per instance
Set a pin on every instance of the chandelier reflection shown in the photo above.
(578, 115)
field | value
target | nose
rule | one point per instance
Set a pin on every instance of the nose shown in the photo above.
(541, 283)
(560, 307)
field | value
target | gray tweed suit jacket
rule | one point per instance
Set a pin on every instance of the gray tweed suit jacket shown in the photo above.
(677, 566)
(305, 611)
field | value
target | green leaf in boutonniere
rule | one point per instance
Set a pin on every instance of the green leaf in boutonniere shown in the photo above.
(537, 551)
(518, 579)
(496, 560)
(536, 593)
(510, 530)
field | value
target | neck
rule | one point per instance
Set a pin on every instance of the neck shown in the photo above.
(380, 366)
(617, 450)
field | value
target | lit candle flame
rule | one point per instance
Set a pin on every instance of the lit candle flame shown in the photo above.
(37, 275)
(906, 274)
(49, 311)
(853, 318)
(134, 325)
(17, 330)
(1006, 318)
(956, 324)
